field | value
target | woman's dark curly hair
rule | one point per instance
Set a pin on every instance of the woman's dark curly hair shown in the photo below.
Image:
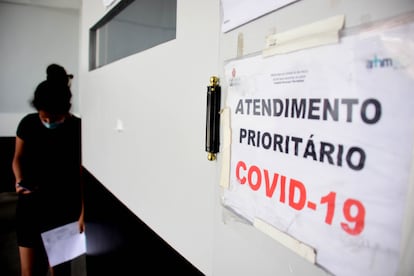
(57, 74)
(53, 95)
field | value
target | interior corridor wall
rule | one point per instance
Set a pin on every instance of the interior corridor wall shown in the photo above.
(32, 37)
(241, 249)
(144, 132)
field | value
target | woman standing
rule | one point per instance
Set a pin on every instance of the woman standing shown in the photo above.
(47, 168)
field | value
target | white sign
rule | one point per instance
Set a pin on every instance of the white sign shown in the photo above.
(321, 146)
(238, 12)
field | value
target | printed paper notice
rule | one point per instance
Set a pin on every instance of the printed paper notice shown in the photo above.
(64, 243)
(321, 146)
(238, 12)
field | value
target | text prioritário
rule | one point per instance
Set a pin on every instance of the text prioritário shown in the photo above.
(335, 154)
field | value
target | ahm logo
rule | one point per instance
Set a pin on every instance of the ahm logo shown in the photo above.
(379, 63)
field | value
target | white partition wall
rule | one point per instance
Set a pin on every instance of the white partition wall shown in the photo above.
(144, 131)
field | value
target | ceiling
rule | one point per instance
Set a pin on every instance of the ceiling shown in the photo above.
(66, 4)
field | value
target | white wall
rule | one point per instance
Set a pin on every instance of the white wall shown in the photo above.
(32, 37)
(157, 166)
(239, 248)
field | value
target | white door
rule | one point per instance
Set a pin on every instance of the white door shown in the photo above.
(144, 119)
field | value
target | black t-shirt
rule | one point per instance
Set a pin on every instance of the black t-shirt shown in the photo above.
(51, 162)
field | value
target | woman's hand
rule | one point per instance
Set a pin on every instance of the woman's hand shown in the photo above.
(81, 223)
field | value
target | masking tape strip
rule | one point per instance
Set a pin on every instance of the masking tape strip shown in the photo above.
(296, 246)
(240, 45)
(315, 34)
(225, 167)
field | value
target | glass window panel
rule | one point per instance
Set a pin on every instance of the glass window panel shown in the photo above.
(132, 27)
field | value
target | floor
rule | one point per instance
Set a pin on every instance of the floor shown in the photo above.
(9, 255)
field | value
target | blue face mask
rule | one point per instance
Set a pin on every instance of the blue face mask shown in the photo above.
(52, 125)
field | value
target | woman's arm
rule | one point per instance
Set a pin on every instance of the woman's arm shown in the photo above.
(81, 220)
(17, 166)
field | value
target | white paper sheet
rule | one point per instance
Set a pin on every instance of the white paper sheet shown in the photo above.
(348, 207)
(64, 243)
